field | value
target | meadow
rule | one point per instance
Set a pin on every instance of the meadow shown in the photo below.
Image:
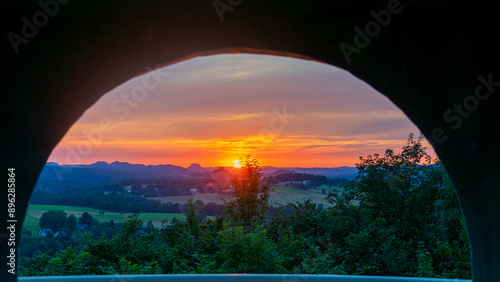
(35, 212)
(280, 196)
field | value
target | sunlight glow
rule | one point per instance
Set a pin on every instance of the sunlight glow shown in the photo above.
(210, 110)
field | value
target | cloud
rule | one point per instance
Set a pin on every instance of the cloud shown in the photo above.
(216, 104)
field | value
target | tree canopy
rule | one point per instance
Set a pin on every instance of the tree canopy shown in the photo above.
(398, 217)
(53, 220)
(86, 218)
(249, 202)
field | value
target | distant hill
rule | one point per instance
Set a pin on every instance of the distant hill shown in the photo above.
(102, 172)
(330, 172)
(278, 172)
(220, 172)
(196, 168)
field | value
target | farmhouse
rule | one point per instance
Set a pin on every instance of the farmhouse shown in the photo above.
(82, 227)
(61, 234)
(45, 232)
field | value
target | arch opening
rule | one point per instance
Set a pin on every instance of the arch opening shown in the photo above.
(280, 121)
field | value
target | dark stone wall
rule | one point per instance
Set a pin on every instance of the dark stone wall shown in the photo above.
(429, 58)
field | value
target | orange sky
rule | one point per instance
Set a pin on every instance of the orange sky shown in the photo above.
(212, 110)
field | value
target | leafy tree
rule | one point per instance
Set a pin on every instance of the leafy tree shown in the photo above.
(250, 197)
(86, 218)
(400, 188)
(401, 201)
(53, 244)
(64, 234)
(399, 217)
(53, 220)
(26, 233)
(71, 222)
(192, 218)
(243, 252)
(150, 224)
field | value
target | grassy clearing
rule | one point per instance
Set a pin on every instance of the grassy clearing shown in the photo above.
(280, 196)
(35, 212)
(204, 197)
(52, 207)
(31, 223)
(284, 195)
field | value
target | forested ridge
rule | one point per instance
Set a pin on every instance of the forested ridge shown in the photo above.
(398, 217)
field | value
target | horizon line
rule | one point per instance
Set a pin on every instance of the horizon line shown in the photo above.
(52, 162)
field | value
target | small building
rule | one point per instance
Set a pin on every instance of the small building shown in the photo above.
(193, 191)
(45, 232)
(82, 227)
(61, 234)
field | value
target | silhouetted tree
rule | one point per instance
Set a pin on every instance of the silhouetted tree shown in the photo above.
(250, 197)
(150, 224)
(53, 220)
(71, 222)
(86, 218)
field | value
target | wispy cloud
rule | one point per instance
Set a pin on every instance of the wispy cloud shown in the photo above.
(211, 109)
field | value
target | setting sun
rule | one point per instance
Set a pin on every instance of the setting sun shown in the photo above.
(203, 113)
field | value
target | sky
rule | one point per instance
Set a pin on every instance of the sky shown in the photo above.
(213, 110)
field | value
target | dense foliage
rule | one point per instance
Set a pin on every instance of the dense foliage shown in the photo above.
(117, 202)
(399, 217)
(314, 180)
(250, 199)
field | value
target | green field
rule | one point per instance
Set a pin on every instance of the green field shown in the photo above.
(280, 196)
(204, 197)
(284, 195)
(35, 212)
(31, 223)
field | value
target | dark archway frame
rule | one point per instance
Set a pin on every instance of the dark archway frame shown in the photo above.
(429, 59)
